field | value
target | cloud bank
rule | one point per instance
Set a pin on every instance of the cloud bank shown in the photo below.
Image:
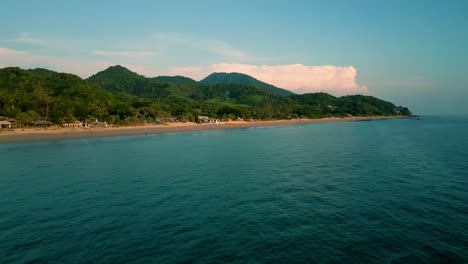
(24, 59)
(336, 80)
(79, 66)
(129, 53)
(199, 45)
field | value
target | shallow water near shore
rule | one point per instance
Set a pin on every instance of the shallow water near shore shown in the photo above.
(346, 192)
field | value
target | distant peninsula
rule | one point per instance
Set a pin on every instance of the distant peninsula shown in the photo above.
(118, 96)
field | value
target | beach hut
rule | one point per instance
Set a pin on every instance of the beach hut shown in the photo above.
(202, 119)
(206, 119)
(99, 124)
(15, 123)
(75, 123)
(5, 124)
(42, 124)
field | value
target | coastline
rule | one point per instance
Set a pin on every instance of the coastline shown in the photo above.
(60, 133)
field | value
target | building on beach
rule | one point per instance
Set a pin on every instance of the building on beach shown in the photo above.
(42, 124)
(208, 120)
(5, 124)
(14, 123)
(75, 123)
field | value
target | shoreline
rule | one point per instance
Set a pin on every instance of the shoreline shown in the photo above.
(61, 133)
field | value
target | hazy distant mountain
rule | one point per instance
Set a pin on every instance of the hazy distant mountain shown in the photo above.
(243, 79)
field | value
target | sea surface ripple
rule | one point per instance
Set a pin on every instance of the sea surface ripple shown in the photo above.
(393, 191)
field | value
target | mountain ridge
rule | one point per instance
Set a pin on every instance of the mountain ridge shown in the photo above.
(243, 79)
(120, 96)
(174, 79)
(120, 79)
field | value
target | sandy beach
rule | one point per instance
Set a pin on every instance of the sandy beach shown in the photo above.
(60, 133)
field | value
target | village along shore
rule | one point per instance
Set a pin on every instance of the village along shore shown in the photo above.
(61, 133)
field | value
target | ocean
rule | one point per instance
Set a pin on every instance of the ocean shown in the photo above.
(391, 191)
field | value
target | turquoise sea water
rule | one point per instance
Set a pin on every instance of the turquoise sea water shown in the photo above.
(393, 191)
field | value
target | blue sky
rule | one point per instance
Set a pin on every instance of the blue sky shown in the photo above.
(410, 52)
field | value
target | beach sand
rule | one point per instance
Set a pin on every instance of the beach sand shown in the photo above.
(60, 133)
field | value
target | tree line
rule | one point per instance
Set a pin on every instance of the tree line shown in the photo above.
(120, 96)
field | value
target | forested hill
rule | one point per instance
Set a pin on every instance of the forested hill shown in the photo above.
(120, 79)
(39, 94)
(175, 79)
(243, 79)
(118, 95)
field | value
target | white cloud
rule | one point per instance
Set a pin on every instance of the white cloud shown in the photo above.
(23, 59)
(197, 43)
(53, 43)
(25, 38)
(129, 53)
(8, 54)
(298, 78)
(84, 59)
(80, 67)
(336, 80)
(170, 48)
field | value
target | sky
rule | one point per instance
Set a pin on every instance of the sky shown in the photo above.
(412, 53)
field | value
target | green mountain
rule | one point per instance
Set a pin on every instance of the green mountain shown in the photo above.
(120, 79)
(355, 105)
(175, 79)
(243, 79)
(42, 72)
(120, 96)
(42, 94)
(178, 85)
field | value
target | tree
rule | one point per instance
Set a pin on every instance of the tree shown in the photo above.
(122, 96)
(28, 117)
(42, 100)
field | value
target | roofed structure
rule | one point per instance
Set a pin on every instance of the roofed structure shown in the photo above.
(5, 124)
(206, 119)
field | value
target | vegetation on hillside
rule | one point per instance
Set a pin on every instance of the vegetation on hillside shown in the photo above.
(117, 95)
(243, 79)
